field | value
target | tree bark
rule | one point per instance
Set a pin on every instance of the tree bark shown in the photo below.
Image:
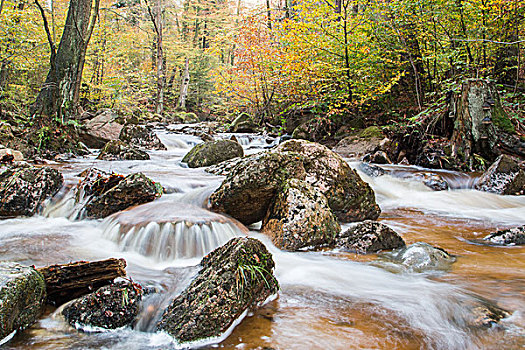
(184, 84)
(69, 281)
(159, 106)
(58, 96)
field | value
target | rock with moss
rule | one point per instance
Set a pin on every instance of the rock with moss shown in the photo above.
(212, 152)
(23, 188)
(234, 279)
(349, 197)
(22, 296)
(225, 167)
(113, 193)
(141, 136)
(119, 150)
(356, 146)
(106, 126)
(503, 177)
(300, 218)
(512, 236)
(251, 186)
(369, 237)
(110, 307)
(243, 123)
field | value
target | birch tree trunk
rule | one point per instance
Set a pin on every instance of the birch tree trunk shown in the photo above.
(185, 84)
(159, 104)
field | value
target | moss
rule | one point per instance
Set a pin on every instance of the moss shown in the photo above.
(371, 132)
(502, 121)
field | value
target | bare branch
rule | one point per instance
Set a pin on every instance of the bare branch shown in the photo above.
(48, 33)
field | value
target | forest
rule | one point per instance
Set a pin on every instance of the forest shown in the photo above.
(262, 174)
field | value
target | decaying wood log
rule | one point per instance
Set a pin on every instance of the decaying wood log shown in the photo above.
(69, 281)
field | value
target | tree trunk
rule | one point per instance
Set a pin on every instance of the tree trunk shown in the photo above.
(70, 281)
(59, 94)
(159, 105)
(4, 73)
(184, 85)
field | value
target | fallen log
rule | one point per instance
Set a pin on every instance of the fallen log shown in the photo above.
(69, 281)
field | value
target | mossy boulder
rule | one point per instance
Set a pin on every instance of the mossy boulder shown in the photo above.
(367, 141)
(119, 150)
(512, 236)
(212, 152)
(22, 295)
(234, 279)
(109, 194)
(503, 177)
(141, 136)
(243, 123)
(109, 307)
(349, 197)
(300, 217)
(251, 186)
(23, 188)
(369, 237)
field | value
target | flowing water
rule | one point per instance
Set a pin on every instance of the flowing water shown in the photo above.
(328, 299)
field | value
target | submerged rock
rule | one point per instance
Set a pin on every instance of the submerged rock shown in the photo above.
(212, 152)
(109, 307)
(512, 236)
(420, 256)
(118, 150)
(369, 237)
(250, 187)
(349, 197)
(371, 169)
(24, 188)
(22, 295)
(300, 217)
(141, 136)
(433, 181)
(485, 314)
(113, 193)
(101, 129)
(234, 279)
(503, 177)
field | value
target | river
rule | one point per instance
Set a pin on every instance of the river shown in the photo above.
(328, 299)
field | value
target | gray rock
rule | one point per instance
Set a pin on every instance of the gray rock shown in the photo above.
(503, 177)
(141, 136)
(212, 152)
(369, 237)
(419, 257)
(22, 295)
(101, 129)
(300, 217)
(512, 236)
(243, 123)
(365, 142)
(371, 169)
(119, 150)
(234, 278)
(433, 181)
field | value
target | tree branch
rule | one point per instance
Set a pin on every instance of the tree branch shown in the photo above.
(48, 32)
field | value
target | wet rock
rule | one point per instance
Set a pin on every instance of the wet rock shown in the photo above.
(349, 197)
(24, 188)
(419, 257)
(224, 168)
(433, 181)
(300, 217)
(369, 237)
(243, 123)
(22, 295)
(141, 136)
(365, 142)
(485, 314)
(378, 157)
(14, 155)
(118, 150)
(110, 307)
(250, 187)
(371, 169)
(503, 177)
(212, 152)
(113, 193)
(234, 279)
(512, 236)
(101, 129)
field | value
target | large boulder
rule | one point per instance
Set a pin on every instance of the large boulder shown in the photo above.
(300, 217)
(22, 295)
(250, 187)
(141, 136)
(101, 129)
(113, 193)
(109, 307)
(503, 177)
(512, 236)
(24, 188)
(7, 155)
(358, 145)
(234, 279)
(224, 168)
(212, 152)
(119, 150)
(369, 237)
(243, 123)
(349, 197)
(420, 257)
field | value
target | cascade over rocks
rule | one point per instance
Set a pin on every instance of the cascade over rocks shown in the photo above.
(511, 236)
(23, 188)
(101, 129)
(300, 217)
(22, 296)
(141, 136)
(212, 152)
(234, 279)
(110, 307)
(503, 177)
(369, 237)
(119, 150)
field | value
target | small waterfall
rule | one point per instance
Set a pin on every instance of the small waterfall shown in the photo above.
(65, 204)
(170, 230)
